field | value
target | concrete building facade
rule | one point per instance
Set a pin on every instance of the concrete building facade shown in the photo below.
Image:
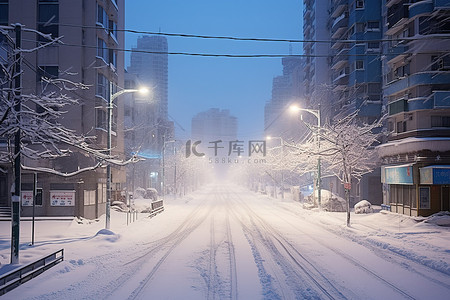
(90, 55)
(416, 91)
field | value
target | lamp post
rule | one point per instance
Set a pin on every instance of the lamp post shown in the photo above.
(316, 113)
(282, 161)
(109, 146)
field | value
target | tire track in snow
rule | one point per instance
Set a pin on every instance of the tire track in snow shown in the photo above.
(212, 268)
(369, 244)
(354, 262)
(262, 237)
(173, 243)
(232, 259)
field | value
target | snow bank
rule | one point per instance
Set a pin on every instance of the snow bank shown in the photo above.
(329, 201)
(441, 218)
(363, 207)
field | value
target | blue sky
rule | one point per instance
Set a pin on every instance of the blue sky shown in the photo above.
(242, 85)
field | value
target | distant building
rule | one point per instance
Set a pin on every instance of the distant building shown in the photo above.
(91, 55)
(287, 89)
(214, 124)
(150, 62)
(416, 79)
(141, 130)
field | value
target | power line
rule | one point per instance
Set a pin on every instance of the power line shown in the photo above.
(255, 39)
(374, 54)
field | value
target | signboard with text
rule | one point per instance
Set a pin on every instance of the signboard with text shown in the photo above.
(27, 198)
(62, 198)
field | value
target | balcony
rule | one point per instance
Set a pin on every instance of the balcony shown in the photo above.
(397, 14)
(422, 78)
(441, 99)
(341, 77)
(340, 59)
(339, 7)
(438, 99)
(396, 54)
(442, 4)
(339, 33)
(421, 7)
(341, 21)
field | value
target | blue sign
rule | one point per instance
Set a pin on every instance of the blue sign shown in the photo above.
(399, 175)
(441, 176)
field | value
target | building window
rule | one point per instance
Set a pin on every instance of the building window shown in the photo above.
(373, 45)
(102, 86)
(360, 27)
(50, 72)
(113, 29)
(102, 50)
(401, 126)
(373, 25)
(101, 119)
(113, 57)
(440, 121)
(359, 4)
(102, 17)
(359, 65)
(48, 18)
(4, 8)
(424, 197)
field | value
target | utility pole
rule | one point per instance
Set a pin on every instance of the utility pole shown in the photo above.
(175, 172)
(15, 198)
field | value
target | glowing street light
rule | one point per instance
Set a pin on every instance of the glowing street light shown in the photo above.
(316, 113)
(143, 91)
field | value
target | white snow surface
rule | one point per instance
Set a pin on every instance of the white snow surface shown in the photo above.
(226, 242)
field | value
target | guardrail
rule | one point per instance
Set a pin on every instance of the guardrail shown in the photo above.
(14, 278)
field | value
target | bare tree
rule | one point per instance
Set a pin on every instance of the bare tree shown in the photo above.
(41, 135)
(347, 147)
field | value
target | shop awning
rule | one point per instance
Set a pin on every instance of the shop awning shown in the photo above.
(435, 174)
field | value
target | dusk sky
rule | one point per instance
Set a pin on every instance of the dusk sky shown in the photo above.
(242, 85)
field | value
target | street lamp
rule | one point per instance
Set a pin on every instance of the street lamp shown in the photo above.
(282, 160)
(316, 113)
(112, 96)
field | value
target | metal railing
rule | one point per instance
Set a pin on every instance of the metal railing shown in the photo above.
(14, 278)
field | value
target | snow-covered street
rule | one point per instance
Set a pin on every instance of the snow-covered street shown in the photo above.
(225, 242)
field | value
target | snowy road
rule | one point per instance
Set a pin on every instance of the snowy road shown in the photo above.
(230, 243)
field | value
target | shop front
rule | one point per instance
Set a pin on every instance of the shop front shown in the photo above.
(415, 189)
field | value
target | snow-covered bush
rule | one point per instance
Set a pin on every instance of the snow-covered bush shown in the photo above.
(139, 193)
(329, 201)
(363, 207)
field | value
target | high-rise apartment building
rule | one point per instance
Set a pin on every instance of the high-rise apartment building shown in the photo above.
(287, 90)
(343, 69)
(214, 124)
(141, 130)
(416, 79)
(316, 33)
(355, 58)
(149, 62)
(90, 55)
